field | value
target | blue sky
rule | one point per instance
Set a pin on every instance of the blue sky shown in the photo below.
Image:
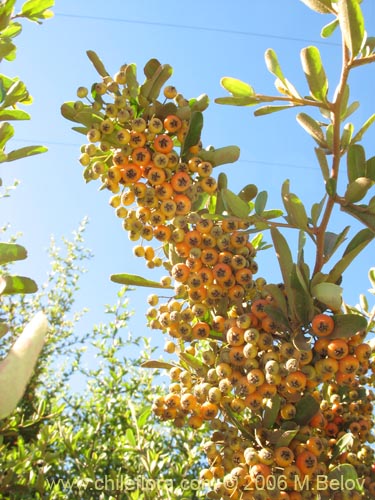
(203, 41)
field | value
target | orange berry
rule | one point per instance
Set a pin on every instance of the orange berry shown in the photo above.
(322, 325)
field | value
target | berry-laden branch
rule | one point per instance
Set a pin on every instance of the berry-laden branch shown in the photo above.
(277, 373)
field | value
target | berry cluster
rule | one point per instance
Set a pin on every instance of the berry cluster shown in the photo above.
(281, 415)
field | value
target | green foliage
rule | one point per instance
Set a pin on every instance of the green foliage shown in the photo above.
(99, 441)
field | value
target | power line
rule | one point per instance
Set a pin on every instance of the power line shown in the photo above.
(240, 160)
(195, 28)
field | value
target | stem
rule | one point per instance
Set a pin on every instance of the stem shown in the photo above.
(294, 101)
(336, 151)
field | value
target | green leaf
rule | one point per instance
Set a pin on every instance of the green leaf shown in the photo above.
(13, 114)
(129, 436)
(193, 134)
(286, 437)
(346, 136)
(151, 67)
(357, 189)
(370, 168)
(200, 103)
(271, 412)
(350, 110)
(283, 254)
(316, 210)
(191, 360)
(294, 207)
(134, 280)
(157, 364)
(248, 192)
(25, 152)
(4, 329)
(323, 163)
(273, 65)
(278, 317)
(329, 294)
(356, 245)
(131, 80)
(321, 6)
(356, 162)
(6, 133)
(352, 24)
(234, 204)
(238, 100)
(267, 110)
(11, 31)
(345, 443)
(7, 50)
(363, 129)
(278, 297)
(37, 9)
(272, 214)
(313, 128)
(314, 71)
(331, 186)
(17, 92)
(362, 213)
(97, 63)
(165, 73)
(17, 284)
(236, 87)
(347, 325)
(344, 474)
(300, 298)
(306, 408)
(329, 28)
(260, 202)
(221, 156)
(156, 75)
(332, 241)
(9, 252)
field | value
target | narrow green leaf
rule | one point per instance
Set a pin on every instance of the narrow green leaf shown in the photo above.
(238, 101)
(97, 63)
(278, 296)
(331, 186)
(370, 168)
(248, 193)
(346, 136)
(17, 92)
(306, 408)
(272, 214)
(156, 364)
(345, 474)
(164, 75)
(236, 87)
(17, 284)
(7, 50)
(329, 29)
(313, 128)
(131, 80)
(362, 213)
(151, 67)
(321, 6)
(221, 156)
(356, 245)
(143, 417)
(260, 202)
(13, 114)
(273, 65)
(363, 129)
(134, 280)
(271, 412)
(25, 152)
(283, 254)
(332, 241)
(329, 294)
(323, 163)
(296, 211)
(9, 252)
(199, 103)
(299, 297)
(234, 204)
(350, 110)
(316, 210)
(266, 110)
(129, 435)
(314, 71)
(193, 134)
(191, 360)
(352, 24)
(278, 317)
(4, 329)
(356, 162)
(286, 437)
(12, 30)
(357, 189)
(6, 133)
